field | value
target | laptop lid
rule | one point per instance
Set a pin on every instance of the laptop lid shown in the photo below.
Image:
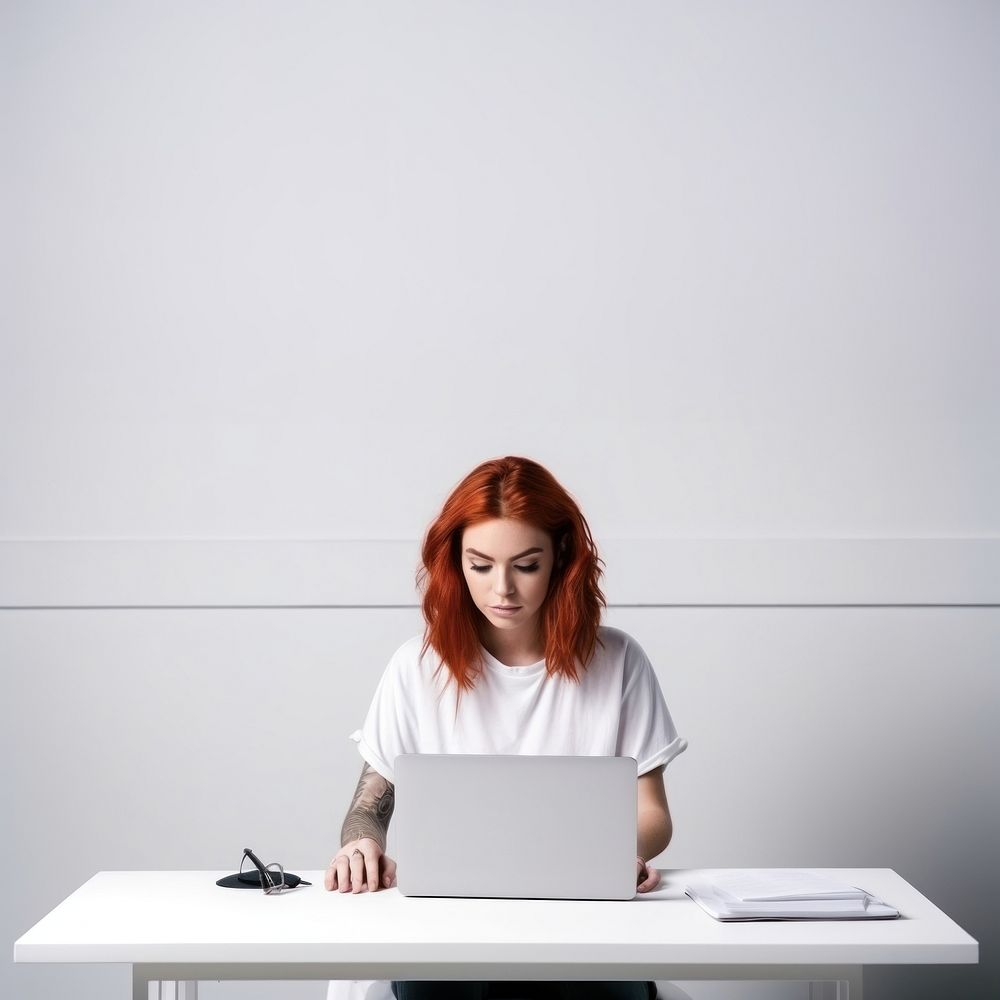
(521, 827)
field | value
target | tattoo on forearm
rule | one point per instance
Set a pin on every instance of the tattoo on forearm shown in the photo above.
(371, 808)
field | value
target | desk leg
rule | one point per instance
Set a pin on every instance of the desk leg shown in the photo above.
(825, 982)
(848, 988)
(144, 988)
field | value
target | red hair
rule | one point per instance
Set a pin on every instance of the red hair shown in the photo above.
(523, 490)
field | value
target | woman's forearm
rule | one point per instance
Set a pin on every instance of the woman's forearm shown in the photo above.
(655, 831)
(370, 810)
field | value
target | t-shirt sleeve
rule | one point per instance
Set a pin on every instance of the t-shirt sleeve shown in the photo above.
(389, 728)
(645, 729)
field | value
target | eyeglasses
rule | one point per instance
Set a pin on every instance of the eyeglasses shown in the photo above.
(272, 876)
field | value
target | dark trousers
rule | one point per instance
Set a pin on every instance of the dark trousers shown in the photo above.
(410, 990)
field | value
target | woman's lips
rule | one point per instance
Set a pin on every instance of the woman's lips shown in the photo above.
(505, 611)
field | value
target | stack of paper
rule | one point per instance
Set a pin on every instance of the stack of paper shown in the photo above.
(783, 894)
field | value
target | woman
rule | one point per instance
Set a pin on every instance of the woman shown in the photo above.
(513, 660)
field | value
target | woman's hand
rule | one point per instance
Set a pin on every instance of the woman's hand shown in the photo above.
(646, 878)
(360, 865)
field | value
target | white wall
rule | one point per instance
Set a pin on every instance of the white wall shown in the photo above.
(283, 270)
(274, 272)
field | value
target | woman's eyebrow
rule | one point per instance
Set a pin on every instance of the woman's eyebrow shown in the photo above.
(520, 555)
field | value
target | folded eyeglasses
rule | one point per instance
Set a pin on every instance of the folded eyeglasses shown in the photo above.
(271, 878)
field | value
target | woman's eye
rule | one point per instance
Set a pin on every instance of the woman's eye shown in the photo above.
(485, 569)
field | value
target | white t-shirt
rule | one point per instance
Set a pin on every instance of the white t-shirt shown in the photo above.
(615, 710)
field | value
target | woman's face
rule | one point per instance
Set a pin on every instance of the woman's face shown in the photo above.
(507, 566)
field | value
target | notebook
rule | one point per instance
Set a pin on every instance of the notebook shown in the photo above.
(521, 827)
(783, 894)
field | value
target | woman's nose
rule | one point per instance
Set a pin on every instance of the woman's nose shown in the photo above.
(504, 584)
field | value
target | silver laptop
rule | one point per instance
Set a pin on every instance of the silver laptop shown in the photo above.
(518, 827)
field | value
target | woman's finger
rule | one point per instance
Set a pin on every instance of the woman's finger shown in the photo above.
(388, 872)
(372, 854)
(357, 870)
(330, 878)
(343, 873)
(651, 880)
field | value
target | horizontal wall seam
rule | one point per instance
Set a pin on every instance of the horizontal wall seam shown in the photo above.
(415, 607)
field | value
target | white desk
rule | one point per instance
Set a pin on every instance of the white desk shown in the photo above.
(179, 927)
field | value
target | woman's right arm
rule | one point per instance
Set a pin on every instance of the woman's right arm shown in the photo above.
(361, 861)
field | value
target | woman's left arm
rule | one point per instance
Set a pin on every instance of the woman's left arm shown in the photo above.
(655, 827)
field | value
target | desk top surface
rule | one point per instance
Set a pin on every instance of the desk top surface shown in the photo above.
(183, 917)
